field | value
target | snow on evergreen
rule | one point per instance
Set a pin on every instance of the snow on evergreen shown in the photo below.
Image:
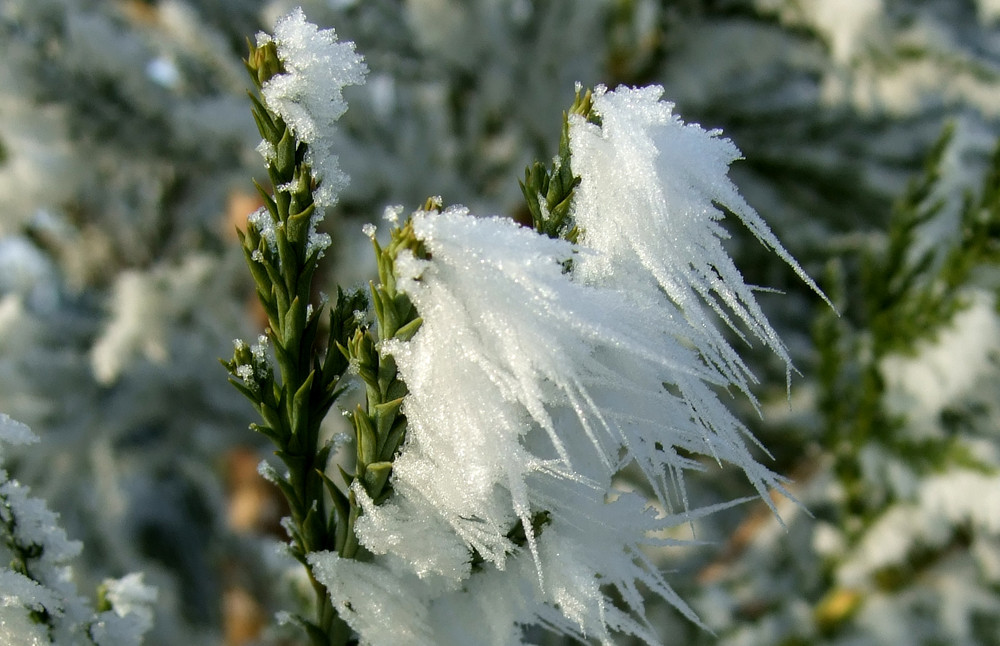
(124, 132)
(40, 602)
(531, 386)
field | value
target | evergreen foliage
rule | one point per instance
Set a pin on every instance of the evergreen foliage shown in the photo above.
(125, 147)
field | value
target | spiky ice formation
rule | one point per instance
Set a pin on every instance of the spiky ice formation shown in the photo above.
(648, 201)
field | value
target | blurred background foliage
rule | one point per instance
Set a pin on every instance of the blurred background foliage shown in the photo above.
(869, 130)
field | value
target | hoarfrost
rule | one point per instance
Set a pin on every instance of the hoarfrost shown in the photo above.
(647, 202)
(245, 372)
(14, 432)
(268, 472)
(309, 96)
(402, 527)
(372, 599)
(18, 627)
(131, 615)
(261, 220)
(528, 391)
(32, 535)
(266, 150)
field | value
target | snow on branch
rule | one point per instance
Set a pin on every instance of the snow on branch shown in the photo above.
(40, 603)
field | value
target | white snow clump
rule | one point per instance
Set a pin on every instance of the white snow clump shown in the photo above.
(308, 96)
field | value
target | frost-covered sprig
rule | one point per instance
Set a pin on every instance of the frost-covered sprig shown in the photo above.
(379, 425)
(299, 73)
(541, 369)
(513, 373)
(41, 604)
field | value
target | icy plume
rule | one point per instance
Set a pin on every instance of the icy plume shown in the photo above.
(520, 368)
(529, 389)
(647, 201)
(541, 370)
(388, 602)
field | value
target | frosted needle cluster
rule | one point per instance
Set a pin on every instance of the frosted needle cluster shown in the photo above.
(532, 385)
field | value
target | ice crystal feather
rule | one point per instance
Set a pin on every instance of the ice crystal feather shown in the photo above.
(512, 343)
(528, 391)
(533, 371)
(648, 196)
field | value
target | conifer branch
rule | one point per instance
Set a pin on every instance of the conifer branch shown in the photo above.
(379, 426)
(281, 253)
(548, 192)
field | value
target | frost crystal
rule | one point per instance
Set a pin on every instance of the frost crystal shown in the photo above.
(268, 472)
(258, 349)
(317, 242)
(528, 392)
(391, 214)
(261, 221)
(647, 201)
(245, 372)
(266, 150)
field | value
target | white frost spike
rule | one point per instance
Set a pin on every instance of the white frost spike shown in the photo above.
(646, 201)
